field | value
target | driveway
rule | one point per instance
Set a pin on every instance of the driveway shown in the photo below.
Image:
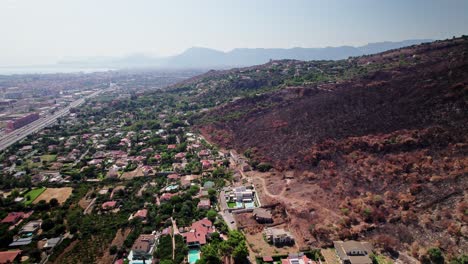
(224, 212)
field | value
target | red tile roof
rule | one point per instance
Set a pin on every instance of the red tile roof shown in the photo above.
(167, 196)
(201, 229)
(267, 259)
(141, 213)
(109, 204)
(9, 256)
(204, 203)
(173, 176)
(13, 217)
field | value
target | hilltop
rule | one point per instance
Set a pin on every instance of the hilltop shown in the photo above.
(373, 146)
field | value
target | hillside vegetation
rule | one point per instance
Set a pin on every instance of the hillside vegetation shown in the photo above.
(380, 141)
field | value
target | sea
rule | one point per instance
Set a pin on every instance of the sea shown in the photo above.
(49, 70)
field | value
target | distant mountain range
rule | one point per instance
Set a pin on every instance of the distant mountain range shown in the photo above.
(198, 57)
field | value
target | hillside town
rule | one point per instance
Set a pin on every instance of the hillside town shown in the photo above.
(115, 184)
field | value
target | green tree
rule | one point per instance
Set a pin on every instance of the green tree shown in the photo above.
(436, 256)
(211, 215)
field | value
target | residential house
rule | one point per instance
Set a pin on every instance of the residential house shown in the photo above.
(22, 241)
(206, 164)
(353, 252)
(173, 177)
(109, 205)
(167, 196)
(179, 156)
(147, 170)
(14, 217)
(203, 153)
(262, 215)
(141, 214)
(243, 194)
(143, 247)
(52, 242)
(171, 146)
(199, 232)
(299, 258)
(11, 256)
(31, 227)
(278, 237)
(204, 204)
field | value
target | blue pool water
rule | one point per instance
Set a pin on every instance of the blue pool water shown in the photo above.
(193, 255)
(249, 205)
(239, 205)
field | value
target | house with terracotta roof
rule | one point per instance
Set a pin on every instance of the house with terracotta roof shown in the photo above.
(199, 232)
(10, 256)
(171, 146)
(204, 204)
(14, 217)
(167, 196)
(173, 177)
(143, 248)
(109, 205)
(179, 156)
(141, 213)
(203, 153)
(206, 164)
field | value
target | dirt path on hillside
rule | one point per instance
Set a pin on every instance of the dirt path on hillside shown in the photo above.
(62, 255)
(118, 241)
(267, 192)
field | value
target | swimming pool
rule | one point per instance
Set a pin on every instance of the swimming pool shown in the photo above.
(239, 205)
(193, 255)
(249, 205)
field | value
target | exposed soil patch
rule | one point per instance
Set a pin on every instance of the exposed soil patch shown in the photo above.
(61, 194)
(118, 241)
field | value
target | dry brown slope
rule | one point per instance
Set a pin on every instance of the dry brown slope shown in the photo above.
(387, 152)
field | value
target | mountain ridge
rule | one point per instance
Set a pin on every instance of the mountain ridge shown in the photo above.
(200, 57)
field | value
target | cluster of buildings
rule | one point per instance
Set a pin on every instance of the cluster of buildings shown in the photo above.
(24, 236)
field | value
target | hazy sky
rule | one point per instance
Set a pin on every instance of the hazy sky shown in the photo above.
(43, 31)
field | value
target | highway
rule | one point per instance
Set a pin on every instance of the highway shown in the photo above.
(20, 133)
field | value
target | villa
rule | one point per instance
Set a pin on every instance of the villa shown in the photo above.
(143, 248)
(353, 252)
(299, 258)
(199, 232)
(278, 237)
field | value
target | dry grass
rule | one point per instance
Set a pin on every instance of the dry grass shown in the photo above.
(61, 194)
(260, 247)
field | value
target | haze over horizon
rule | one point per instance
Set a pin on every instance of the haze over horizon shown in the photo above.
(44, 32)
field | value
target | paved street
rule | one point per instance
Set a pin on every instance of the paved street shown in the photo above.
(224, 212)
(20, 133)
